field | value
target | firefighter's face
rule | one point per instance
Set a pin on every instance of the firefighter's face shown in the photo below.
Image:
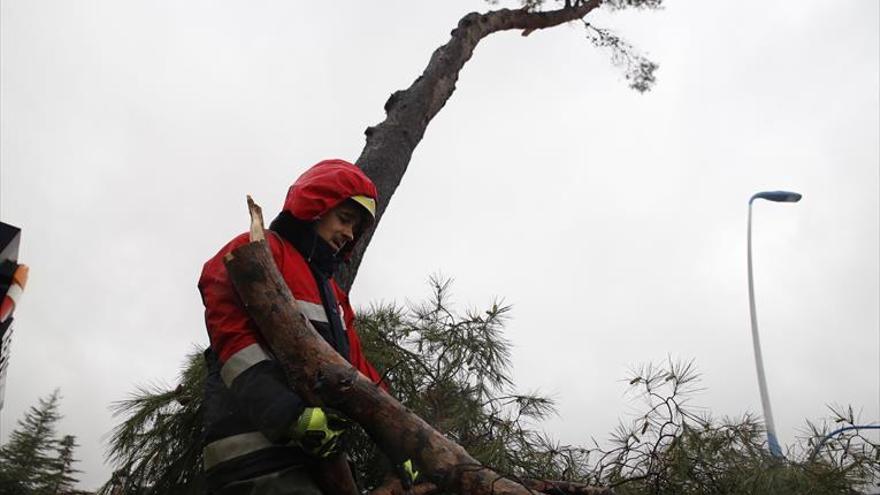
(338, 226)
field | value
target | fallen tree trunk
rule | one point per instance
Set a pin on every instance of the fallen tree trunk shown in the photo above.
(332, 474)
(565, 488)
(393, 487)
(323, 377)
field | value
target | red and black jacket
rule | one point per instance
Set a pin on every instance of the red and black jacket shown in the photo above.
(249, 407)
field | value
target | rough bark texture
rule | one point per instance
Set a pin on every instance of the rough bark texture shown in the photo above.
(390, 144)
(393, 487)
(332, 474)
(565, 488)
(323, 377)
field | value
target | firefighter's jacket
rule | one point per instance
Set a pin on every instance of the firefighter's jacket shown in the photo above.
(249, 408)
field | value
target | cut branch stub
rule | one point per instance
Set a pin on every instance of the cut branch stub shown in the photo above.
(257, 229)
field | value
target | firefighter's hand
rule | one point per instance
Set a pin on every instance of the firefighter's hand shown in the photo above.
(319, 431)
(407, 474)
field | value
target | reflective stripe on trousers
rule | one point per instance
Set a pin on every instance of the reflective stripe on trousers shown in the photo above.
(235, 446)
(291, 481)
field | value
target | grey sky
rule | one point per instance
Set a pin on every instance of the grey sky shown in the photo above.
(614, 222)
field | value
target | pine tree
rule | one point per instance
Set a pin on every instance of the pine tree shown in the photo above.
(158, 447)
(62, 477)
(27, 458)
(452, 369)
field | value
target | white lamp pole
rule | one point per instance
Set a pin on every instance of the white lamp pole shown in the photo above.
(772, 440)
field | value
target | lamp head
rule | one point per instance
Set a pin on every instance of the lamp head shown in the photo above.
(777, 196)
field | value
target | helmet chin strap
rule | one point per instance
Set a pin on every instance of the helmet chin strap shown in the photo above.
(314, 243)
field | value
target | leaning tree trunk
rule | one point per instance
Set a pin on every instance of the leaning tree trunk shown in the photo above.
(394, 487)
(319, 373)
(390, 144)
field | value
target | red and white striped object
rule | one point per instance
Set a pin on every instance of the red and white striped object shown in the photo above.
(13, 295)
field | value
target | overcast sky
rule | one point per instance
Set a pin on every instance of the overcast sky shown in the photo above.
(613, 221)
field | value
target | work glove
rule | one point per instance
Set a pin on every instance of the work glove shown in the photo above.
(407, 474)
(319, 431)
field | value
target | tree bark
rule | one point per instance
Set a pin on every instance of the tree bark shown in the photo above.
(323, 377)
(332, 474)
(393, 487)
(565, 488)
(390, 144)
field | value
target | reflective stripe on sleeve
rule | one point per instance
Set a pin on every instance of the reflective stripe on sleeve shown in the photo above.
(241, 361)
(312, 311)
(235, 446)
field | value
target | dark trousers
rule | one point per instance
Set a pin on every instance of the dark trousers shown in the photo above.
(291, 481)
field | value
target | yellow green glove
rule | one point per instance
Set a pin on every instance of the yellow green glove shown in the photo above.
(319, 431)
(407, 474)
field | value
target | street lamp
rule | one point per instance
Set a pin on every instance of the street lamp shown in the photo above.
(772, 441)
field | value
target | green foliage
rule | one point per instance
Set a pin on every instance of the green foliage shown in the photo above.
(671, 450)
(639, 4)
(613, 4)
(34, 461)
(157, 448)
(850, 452)
(453, 370)
(637, 68)
(62, 478)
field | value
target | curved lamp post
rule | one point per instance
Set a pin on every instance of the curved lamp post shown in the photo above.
(772, 441)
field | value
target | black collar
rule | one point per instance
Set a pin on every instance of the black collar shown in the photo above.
(305, 239)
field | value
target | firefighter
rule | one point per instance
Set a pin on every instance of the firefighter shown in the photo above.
(258, 431)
